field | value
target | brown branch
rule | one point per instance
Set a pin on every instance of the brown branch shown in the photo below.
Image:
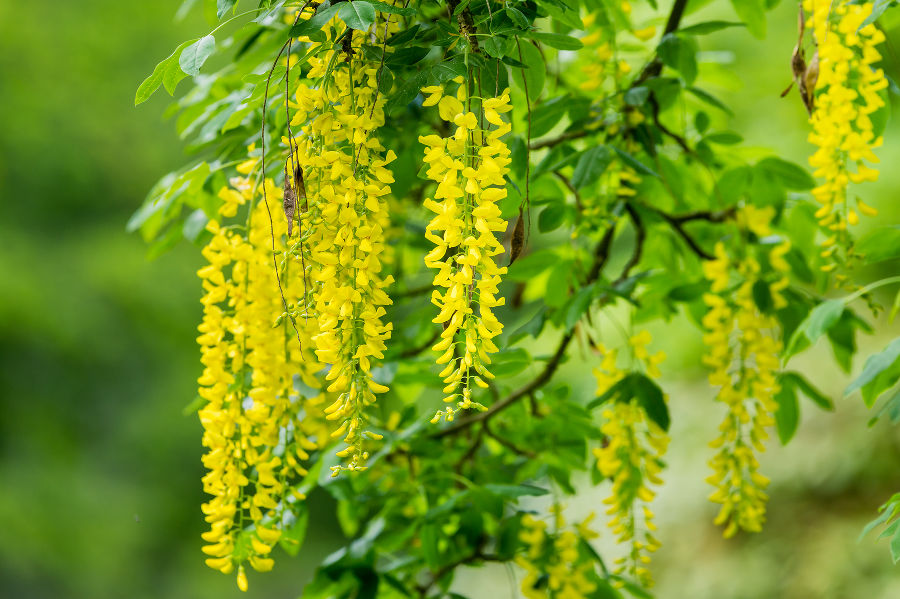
(640, 237)
(507, 443)
(654, 68)
(677, 224)
(466, 24)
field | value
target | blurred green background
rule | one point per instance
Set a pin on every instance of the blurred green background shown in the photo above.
(100, 471)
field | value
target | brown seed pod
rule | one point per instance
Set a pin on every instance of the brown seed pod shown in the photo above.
(810, 77)
(289, 203)
(518, 239)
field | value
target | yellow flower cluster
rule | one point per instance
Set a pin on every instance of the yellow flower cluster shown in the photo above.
(743, 354)
(603, 61)
(347, 182)
(255, 431)
(632, 458)
(469, 168)
(554, 568)
(846, 95)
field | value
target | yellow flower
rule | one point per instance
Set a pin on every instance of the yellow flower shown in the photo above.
(742, 352)
(469, 168)
(254, 435)
(631, 457)
(846, 94)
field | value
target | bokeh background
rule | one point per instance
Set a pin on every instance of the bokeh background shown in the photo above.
(99, 469)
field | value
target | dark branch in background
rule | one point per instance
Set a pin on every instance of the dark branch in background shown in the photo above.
(654, 68)
(568, 183)
(654, 107)
(640, 237)
(506, 443)
(601, 255)
(677, 223)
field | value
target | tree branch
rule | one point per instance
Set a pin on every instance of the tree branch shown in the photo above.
(601, 255)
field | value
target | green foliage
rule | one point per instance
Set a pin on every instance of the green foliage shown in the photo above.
(436, 498)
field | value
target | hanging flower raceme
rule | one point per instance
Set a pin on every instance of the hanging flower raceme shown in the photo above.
(254, 421)
(742, 351)
(346, 182)
(632, 458)
(554, 566)
(469, 168)
(846, 95)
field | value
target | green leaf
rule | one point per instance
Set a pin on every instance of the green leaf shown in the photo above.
(887, 511)
(591, 165)
(509, 362)
(517, 17)
(636, 385)
(357, 14)
(314, 23)
(680, 54)
(753, 13)
(787, 416)
(293, 535)
(223, 6)
(710, 99)
(557, 40)
(790, 175)
(636, 96)
(724, 138)
(515, 491)
(814, 326)
(531, 265)
(635, 163)
(429, 537)
(795, 379)
(880, 373)
(878, 8)
(162, 74)
(880, 244)
(391, 9)
(891, 408)
(498, 46)
(578, 305)
(533, 75)
(551, 217)
(708, 27)
(193, 57)
(547, 114)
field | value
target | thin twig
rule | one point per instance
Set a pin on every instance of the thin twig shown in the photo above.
(262, 136)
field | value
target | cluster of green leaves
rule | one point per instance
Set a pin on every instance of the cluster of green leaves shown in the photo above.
(437, 498)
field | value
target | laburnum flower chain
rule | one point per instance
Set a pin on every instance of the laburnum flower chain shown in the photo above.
(743, 345)
(347, 181)
(631, 457)
(554, 565)
(469, 168)
(846, 96)
(256, 429)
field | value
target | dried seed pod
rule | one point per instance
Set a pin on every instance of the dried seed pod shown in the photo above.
(810, 77)
(518, 239)
(289, 203)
